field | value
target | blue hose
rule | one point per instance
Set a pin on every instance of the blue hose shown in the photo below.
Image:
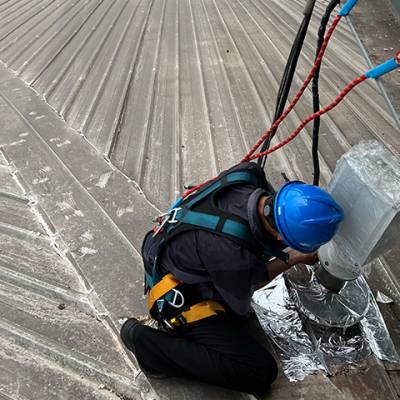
(382, 69)
(348, 6)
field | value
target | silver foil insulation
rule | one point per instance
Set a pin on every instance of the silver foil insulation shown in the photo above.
(309, 342)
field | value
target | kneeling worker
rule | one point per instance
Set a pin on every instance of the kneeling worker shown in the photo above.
(203, 264)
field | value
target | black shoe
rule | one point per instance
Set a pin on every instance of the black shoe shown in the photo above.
(126, 333)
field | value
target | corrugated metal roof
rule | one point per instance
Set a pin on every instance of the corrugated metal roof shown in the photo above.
(90, 209)
(171, 91)
(47, 312)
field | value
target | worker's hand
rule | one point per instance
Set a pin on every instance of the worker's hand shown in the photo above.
(295, 257)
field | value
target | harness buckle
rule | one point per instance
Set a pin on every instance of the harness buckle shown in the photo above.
(175, 322)
(168, 324)
(168, 217)
(174, 211)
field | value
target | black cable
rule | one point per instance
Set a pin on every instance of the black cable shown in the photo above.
(288, 74)
(315, 91)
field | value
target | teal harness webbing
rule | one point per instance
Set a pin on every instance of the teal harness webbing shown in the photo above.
(200, 211)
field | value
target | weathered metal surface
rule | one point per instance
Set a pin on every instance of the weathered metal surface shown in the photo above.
(90, 208)
(171, 92)
(50, 311)
(378, 26)
(396, 4)
(368, 382)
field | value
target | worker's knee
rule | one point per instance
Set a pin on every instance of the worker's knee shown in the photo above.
(256, 378)
(265, 375)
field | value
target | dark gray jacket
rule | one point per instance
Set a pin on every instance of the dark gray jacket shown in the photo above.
(221, 268)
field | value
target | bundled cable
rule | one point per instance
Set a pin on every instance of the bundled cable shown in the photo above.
(290, 68)
(299, 93)
(343, 12)
(315, 90)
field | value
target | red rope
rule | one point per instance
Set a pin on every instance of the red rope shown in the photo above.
(287, 111)
(299, 93)
(324, 110)
(190, 191)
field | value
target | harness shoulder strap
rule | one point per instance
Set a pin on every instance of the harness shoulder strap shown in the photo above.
(219, 224)
(201, 212)
(232, 178)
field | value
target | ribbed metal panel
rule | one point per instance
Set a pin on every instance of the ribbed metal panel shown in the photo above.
(48, 332)
(171, 91)
(174, 90)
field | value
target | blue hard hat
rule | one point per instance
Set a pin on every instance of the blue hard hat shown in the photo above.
(306, 216)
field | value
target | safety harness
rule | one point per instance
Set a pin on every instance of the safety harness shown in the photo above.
(171, 301)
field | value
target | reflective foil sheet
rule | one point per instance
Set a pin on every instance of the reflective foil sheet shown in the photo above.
(324, 307)
(310, 345)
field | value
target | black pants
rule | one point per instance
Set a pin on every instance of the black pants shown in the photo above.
(217, 350)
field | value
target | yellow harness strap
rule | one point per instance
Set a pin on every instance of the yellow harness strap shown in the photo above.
(201, 310)
(167, 283)
(204, 309)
